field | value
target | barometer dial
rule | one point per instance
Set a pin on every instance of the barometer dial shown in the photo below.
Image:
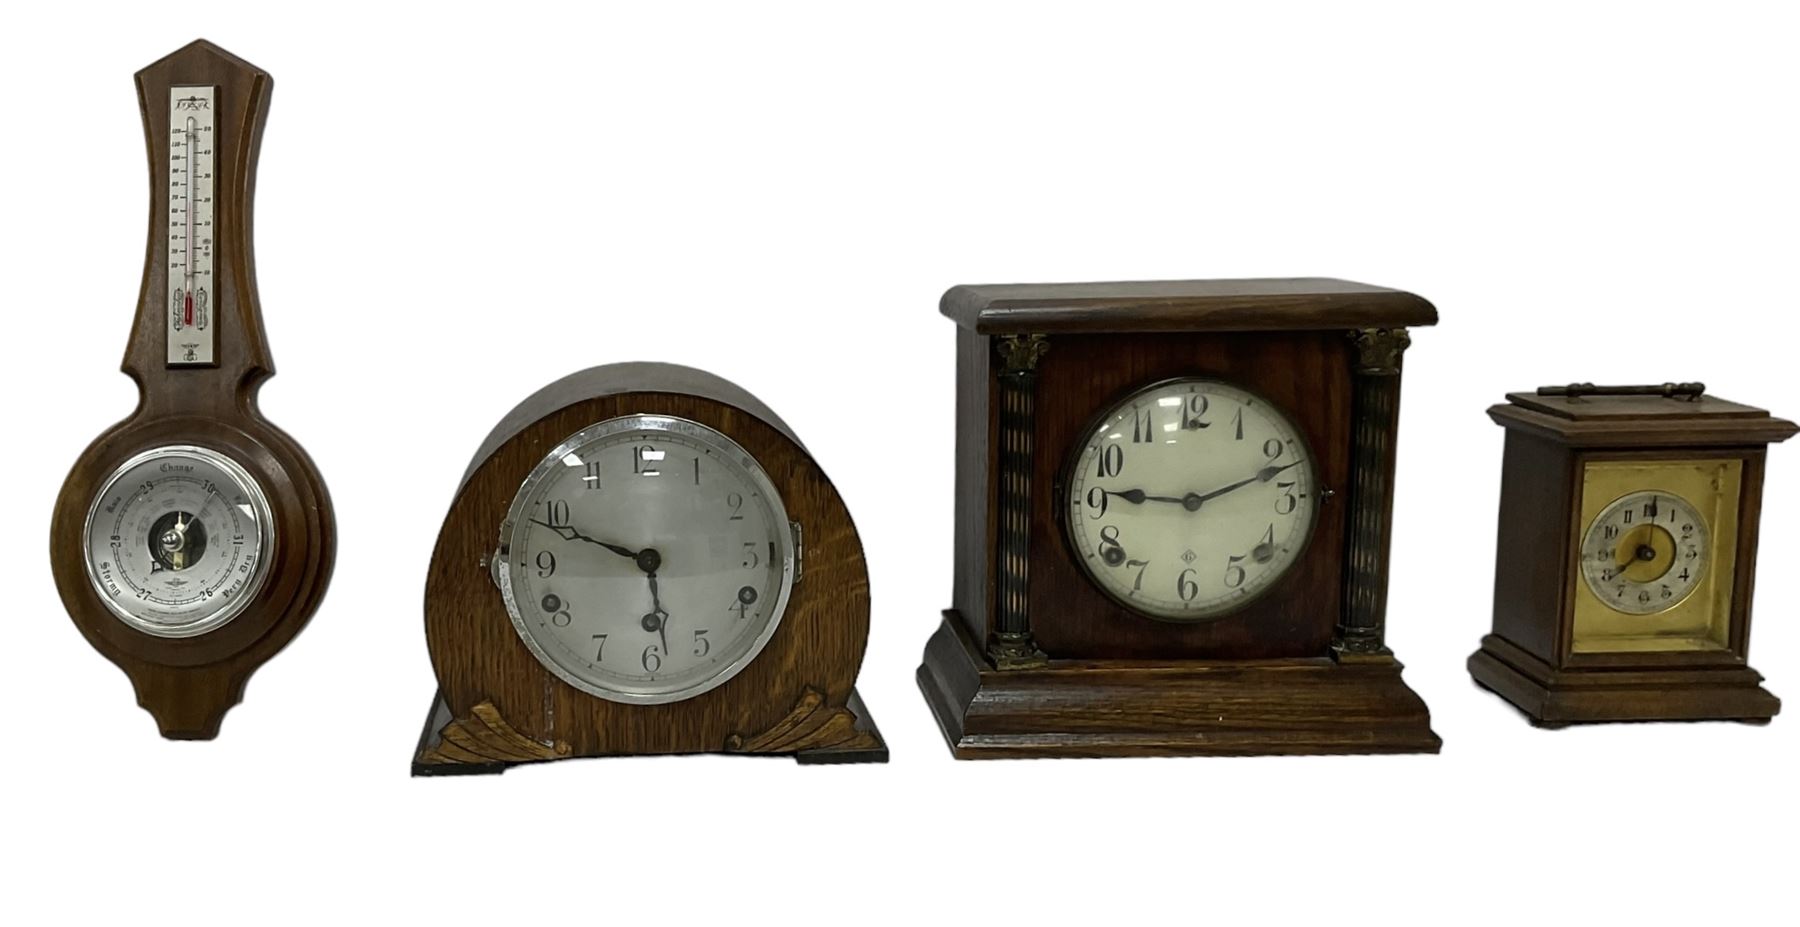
(647, 559)
(178, 540)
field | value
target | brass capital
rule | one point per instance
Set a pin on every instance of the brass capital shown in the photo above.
(1378, 350)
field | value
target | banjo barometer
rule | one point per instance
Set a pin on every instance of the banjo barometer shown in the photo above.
(194, 539)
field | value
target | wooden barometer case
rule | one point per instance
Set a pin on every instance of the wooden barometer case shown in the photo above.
(194, 539)
(643, 559)
(1172, 521)
(1626, 555)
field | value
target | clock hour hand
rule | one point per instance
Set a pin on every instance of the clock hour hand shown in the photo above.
(1642, 553)
(1139, 497)
(570, 534)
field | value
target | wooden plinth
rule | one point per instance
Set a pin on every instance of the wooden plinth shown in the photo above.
(1100, 708)
(1554, 697)
(483, 744)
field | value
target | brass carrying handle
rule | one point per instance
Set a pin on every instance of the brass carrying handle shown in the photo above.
(1689, 391)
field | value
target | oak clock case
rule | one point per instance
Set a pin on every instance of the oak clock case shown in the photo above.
(1172, 521)
(644, 559)
(194, 539)
(1628, 526)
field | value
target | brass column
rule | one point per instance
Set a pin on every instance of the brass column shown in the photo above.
(1011, 646)
(1375, 416)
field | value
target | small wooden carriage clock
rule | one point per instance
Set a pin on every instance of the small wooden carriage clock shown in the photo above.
(1627, 547)
(1172, 521)
(643, 558)
(193, 540)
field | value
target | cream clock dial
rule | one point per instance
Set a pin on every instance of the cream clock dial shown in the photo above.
(647, 559)
(1189, 499)
(1646, 552)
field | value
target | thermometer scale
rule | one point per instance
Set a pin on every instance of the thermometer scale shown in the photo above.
(190, 219)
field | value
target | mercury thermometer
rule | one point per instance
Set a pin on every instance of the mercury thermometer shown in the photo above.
(191, 335)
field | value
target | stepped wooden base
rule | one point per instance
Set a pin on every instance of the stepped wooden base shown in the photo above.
(1553, 697)
(1090, 708)
(483, 744)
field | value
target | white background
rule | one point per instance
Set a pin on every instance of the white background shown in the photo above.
(458, 205)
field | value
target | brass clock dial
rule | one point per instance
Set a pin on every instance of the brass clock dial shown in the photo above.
(1189, 499)
(1646, 552)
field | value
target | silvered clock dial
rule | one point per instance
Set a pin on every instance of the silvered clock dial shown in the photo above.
(646, 559)
(1646, 552)
(1189, 498)
(177, 541)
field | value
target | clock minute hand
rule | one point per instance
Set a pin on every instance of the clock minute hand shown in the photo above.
(1261, 476)
(662, 617)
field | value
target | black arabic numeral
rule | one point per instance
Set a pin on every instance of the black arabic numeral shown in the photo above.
(1185, 587)
(1194, 413)
(1110, 550)
(1111, 461)
(1137, 585)
(1096, 500)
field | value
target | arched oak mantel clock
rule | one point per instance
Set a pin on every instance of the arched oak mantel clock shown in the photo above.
(194, 539)
(644, 559)
(1172, 519)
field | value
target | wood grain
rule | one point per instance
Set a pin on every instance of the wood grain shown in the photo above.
(1529, 658)
(477, 653)
(1109, 708)
(1111, 672)
(1306, 375)
(1298, 304)
(189, 684)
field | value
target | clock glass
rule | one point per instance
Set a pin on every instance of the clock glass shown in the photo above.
(647, 559)
(1656, 545)
(1646, 552)
(1189, 499)
(178, 540)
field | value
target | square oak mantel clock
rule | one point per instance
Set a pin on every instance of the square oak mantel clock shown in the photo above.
(1172, 521)
(194, 539)
(1627, 546)
(643, 558)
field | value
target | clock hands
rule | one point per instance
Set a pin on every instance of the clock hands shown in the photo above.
(1643, 553)
(1193, 500)
(1261, 476)
(657, 616)
(648, 560)
(568, 533)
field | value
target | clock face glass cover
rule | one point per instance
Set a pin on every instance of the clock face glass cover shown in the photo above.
(647, 559)
(1655, 565)
(177, 542)
(1189, 499)
(1646, 552)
